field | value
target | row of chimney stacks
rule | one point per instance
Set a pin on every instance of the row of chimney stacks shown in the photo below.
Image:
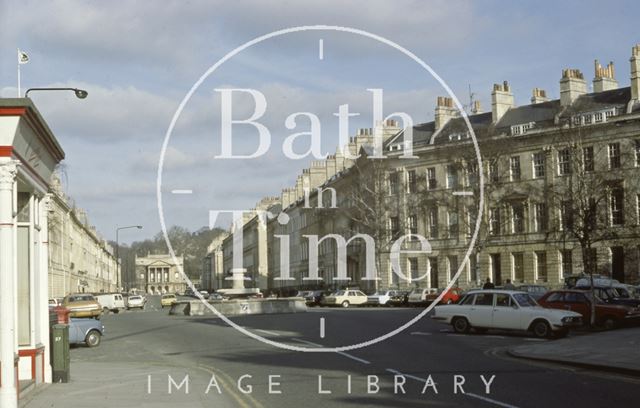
(572, 85)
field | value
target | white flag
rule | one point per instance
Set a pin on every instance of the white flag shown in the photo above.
(23, 58)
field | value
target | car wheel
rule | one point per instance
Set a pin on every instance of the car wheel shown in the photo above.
(541, 329)
(345, 303)
(460, 325)
(93, 338)
(609, 323)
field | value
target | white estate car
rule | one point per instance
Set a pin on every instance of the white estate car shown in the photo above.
(345, 298)
(381, 297)
(420, 295)
(505, 310)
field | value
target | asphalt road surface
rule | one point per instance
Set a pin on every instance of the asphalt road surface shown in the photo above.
(418, 367)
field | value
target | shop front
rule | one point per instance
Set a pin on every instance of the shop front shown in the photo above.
(29, 154)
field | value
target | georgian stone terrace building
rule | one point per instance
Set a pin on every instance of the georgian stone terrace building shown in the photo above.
(561, 193)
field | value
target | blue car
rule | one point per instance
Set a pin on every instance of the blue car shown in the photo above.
(87, 331)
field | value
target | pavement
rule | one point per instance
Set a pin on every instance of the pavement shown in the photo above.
(118, 384)
(615, 351)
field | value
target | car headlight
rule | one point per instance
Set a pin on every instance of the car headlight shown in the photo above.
(570, 319)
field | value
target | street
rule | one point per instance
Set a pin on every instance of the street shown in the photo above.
(226, 367)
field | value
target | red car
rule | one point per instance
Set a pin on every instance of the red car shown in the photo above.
(607, 316)
(452, 296)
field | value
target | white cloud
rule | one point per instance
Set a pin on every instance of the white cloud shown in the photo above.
(107, 114)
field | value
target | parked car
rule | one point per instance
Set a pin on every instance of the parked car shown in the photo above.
(419, 296)
(345, 298)
(451, 296)
(607, 315)
(303, 293)
(400, 298)
(167, 300)
(87, 331)
(216, 296)
(111, 302)
(536, 291)
(612, 295)
(315, 297)
(136, 301)
(571, 280)
(53, 302)
(505, 310)
(205, 294)
(82, 305)
(380, 298)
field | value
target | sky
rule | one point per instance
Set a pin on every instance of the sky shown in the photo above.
(139, 59)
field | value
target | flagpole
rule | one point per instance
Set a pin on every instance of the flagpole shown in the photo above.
(19, 80)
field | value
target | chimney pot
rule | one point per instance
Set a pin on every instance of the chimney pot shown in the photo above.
(501, 100)
(635, 72)
(572, 85)
(604, 77)
(444, 111)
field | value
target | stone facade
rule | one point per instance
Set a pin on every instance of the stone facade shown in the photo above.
(79, 259)
(561, 187)
(158, 274)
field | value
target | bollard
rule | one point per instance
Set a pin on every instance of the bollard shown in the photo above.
(60, 357)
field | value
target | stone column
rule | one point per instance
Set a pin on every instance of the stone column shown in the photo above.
(8, 390)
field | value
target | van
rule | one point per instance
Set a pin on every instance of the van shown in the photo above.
(111, 302)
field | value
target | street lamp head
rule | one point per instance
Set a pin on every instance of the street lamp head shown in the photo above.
(139, 226)
(81, 93)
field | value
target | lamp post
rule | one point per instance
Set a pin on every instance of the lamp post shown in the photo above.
(80, 93)
(118, 253)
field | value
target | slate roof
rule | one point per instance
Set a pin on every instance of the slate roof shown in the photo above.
(543, 114)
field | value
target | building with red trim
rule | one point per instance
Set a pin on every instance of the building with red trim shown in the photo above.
(29, 153)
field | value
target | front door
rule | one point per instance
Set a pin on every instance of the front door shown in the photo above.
(505, 313)
(617, 263)
(481, 312)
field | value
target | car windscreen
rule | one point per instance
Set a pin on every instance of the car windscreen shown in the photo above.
(81, 298)
(339, 293)
(524, 300)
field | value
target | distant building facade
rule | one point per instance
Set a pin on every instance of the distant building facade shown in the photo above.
(158, 274)
(80, 260)
(561, 195)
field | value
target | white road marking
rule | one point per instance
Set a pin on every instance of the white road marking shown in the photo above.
(270, 333)
(420, 334)
(480, 397)
(489, 400)
(391, 370)
(321, 49)
(322, 327)
(178, 191)
(342, 353)
(463, 193)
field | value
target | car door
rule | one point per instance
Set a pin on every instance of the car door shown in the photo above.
(481, 312)
(75, 332)
(360, 297)
(577, 302)
(506, 313)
